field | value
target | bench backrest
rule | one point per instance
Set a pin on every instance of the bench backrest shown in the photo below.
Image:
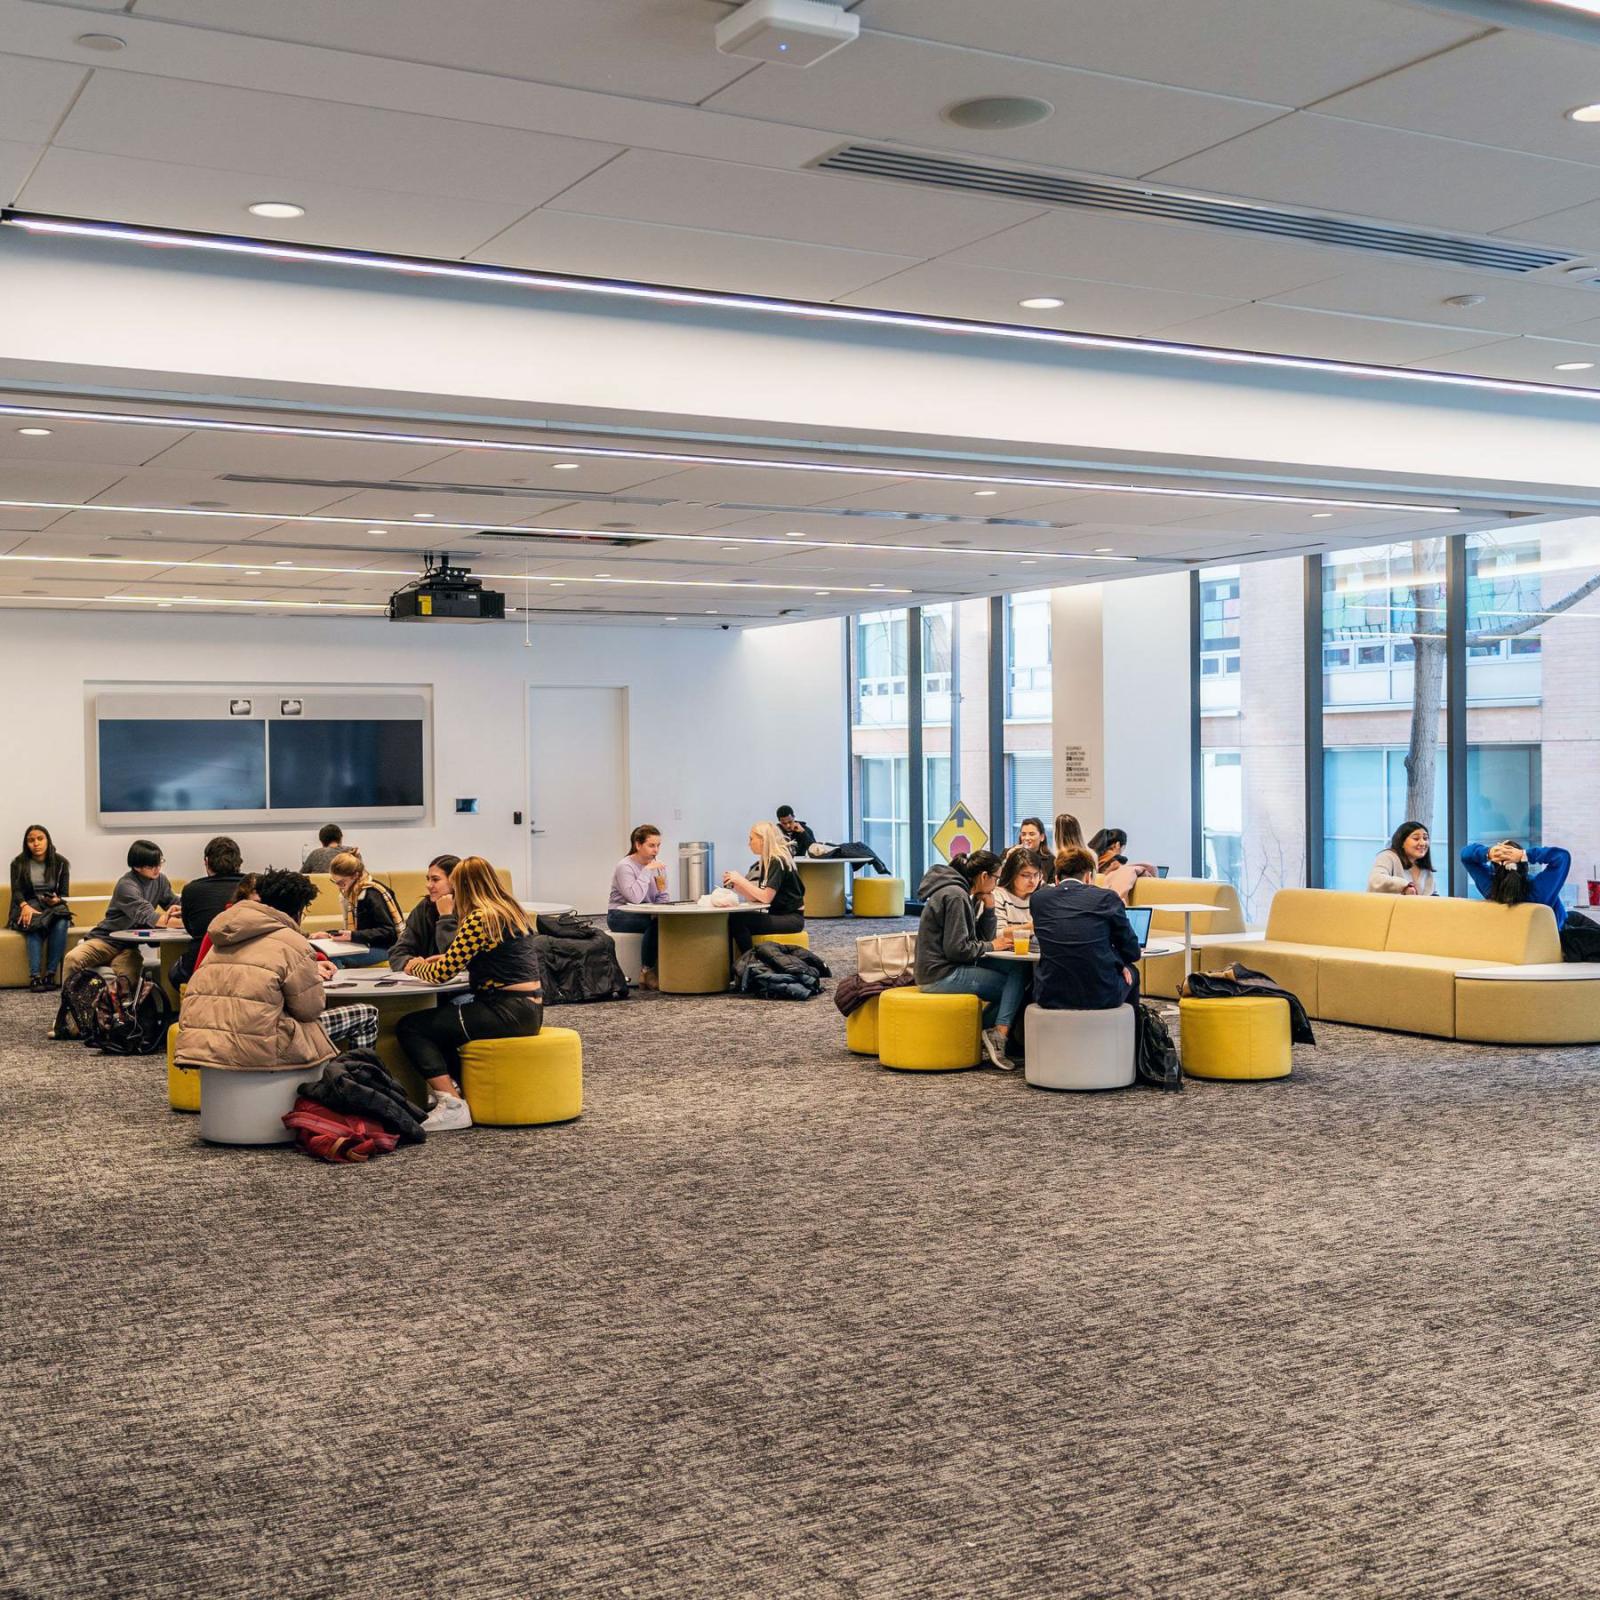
(1331, 917)
(1227, 918)
(1473, 929)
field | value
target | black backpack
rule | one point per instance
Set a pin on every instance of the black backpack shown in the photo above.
(136, 1027)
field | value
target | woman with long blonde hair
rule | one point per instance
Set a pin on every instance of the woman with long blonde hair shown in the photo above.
(494, 946)
(372, 915)
(773, 882)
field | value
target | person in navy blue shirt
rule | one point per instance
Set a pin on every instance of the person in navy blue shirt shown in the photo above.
(1508, 874)
(1088, 951)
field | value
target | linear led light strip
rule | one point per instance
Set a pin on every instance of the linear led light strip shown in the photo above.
(499, 577)
(616, 288)
(686, 458)
(558, 533)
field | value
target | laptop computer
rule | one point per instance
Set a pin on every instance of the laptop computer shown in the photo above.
(1161, 872)
(1140, 917)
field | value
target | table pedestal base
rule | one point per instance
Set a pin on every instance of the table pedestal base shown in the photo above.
(693, 958)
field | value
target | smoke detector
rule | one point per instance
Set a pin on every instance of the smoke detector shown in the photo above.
(787, 33)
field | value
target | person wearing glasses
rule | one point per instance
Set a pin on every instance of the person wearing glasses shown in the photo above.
(142, 898)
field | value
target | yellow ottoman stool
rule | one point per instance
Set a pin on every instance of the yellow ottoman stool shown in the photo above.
(803, 939)
(512, 1083)
(1245, 1038)
(861, 1028)
(879, 897)
(920, 1032)
(183, 1083)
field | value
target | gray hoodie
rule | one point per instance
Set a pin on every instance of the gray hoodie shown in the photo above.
(951, 933)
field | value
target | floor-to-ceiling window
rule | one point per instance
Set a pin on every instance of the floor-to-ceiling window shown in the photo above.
(1252, 728)
(1384, 701)
(955, 715)
(1028, 690)
(879, 741)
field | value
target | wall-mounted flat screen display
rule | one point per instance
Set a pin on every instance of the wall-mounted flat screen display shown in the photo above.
(180, 766)
(345, 764)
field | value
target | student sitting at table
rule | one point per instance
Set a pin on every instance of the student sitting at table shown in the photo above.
(41, 880)
(330, 840)
(494, 945)
(797, 835)
(956, 931)
(432, 923)
(772, 882)
(372, 916)
(1088, 952)
(142, 898)
(206, 898)
(640, 880)
(1019, 877)
(244, 890)
(1113, 870)
(1030, 833)
(256, 1001)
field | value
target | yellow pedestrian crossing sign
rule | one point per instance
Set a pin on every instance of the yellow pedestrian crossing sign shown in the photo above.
(959, 834)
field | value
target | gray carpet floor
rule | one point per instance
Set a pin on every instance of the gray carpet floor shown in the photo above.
(771, 1321)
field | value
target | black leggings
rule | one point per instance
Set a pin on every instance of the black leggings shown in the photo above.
(432, 1040)
(745, 925)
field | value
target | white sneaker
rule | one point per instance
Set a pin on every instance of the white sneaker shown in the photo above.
(449, 1114)
(994, 1046)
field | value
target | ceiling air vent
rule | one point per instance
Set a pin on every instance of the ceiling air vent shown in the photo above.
(1171, 205)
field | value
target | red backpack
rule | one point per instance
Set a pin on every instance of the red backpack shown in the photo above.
(337, 1135)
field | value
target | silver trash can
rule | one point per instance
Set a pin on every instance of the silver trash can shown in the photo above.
(696, 867)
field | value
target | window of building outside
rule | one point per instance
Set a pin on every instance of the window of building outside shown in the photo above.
(1252, 728)
(955, 715)
(879, 742)
(1028, 691)
(1533, 690)
(1383, 704)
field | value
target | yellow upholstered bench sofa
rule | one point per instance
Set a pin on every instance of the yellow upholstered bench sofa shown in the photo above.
(14, 949)
(1163, 974)
(1398, 961)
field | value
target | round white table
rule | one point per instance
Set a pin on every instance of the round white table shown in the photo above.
(167, 941)
(693, 954)
(394, 994)
(826, 879)
(1152, 949)
(1190, 910)
(544, 908)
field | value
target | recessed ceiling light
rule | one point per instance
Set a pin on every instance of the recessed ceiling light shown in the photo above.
(983, 494)
(602, 574)
(822, 591)
(283, 563)
(558, 586)
(874, 585)
(422, 516)
(566, 466)
(713, 613)
(252, 572)
(34, 433)
(1584, 114)
(1318, 515)
(1030, 562)
(669, 619)
(277, 209)
(793, 535)
(377, 533)
(1573, 366)
(106, 43)
(161, 605)
(1042, 302)
(1104, 549)
(995, 113)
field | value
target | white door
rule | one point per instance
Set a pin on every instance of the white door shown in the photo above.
(577, 793)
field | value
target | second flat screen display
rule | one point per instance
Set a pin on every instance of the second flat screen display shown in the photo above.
(345, 764)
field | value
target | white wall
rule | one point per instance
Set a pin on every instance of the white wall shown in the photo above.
(1121, 681)
(723, 727)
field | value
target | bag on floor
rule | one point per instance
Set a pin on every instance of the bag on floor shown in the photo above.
(1155, 1057)
(337, 1135)
(136, 1027)
(575, 971)
(779, 972)
(1580, 938)
(80, 1001)
(886, 957)
(357, 1084)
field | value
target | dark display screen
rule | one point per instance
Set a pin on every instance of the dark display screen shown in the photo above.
(178, 766)
(345, 764)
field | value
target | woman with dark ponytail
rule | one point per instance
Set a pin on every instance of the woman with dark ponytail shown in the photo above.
(1501, 872)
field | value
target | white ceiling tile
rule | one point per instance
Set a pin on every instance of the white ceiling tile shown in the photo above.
(948, 288)
(813, 207)
(1511, 89)
(1322, 334)
(1419, 294)
(1070, 243)
(1314, 162)
(609, 247)
(79, 183)
(202, 451)
(16, 162)
(34, 96)
(1290, 51)
(891, 88)
(1531, 360)
(656, 48)
(180, 489)
(398, 506)
(60, 481)
(107, 442)
(1577, 229)
(286, 137)
(508, 468)
(947, 499)
(772, 486)
(602, 517)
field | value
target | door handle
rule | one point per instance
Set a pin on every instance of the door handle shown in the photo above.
(535, 830)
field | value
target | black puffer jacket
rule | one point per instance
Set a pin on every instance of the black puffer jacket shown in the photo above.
(358, 1083)
(779, 972)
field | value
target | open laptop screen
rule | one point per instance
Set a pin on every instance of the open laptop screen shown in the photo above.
(1140, 916)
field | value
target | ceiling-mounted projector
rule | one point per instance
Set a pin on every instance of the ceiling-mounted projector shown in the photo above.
(446, 594)
(790, 33)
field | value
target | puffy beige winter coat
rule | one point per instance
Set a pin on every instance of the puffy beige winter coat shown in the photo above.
(254, 1003)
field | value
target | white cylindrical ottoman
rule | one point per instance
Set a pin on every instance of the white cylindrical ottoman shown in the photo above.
(249, 1107)
(1074, 1049)
(630, 953)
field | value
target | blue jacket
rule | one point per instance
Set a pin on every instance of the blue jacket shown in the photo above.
(1544, 886)
(1085, 940)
